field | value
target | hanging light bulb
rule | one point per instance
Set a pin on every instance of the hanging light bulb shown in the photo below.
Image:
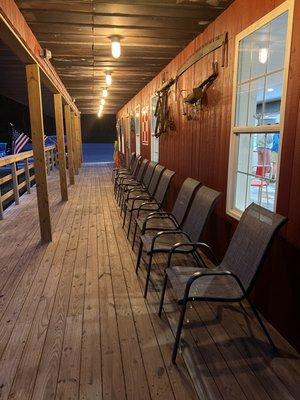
(99, 114)
(263, 55)
(115, 46)
(102, 101)
(105, 92)
(108, 78)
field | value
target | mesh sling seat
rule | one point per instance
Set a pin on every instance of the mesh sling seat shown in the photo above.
(130, 182)
(161, 220)
(142, 186)
(192, 229)
(122, 175)
(149, 202)
(233, 279)
(129, 168)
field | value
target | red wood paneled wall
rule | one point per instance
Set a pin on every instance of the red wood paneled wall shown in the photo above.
(200, 149)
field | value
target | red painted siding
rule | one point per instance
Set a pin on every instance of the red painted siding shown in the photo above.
(200, 149)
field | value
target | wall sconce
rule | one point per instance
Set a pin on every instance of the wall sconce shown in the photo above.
(115, 46)
(108, 78)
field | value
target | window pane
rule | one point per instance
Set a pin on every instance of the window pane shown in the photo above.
(278, 31)
(260, 49)
(241, 191)
(256, 99)
(244, 152)
(244, 67)
(272, 101)
(242, 105)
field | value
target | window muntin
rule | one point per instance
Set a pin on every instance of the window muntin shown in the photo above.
(258, 113)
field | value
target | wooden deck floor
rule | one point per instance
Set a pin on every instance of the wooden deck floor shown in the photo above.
(74, 324)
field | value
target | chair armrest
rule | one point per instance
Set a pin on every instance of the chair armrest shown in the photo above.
(143, 206)
(199, 274)
(210, 250)
(165, 233)
(158, 215)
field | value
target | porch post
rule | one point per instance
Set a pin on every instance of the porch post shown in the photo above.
(38, 145)
(60, 145)
(69, 144)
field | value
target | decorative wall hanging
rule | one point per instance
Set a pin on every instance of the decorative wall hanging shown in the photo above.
(162, 111)
(145, 126)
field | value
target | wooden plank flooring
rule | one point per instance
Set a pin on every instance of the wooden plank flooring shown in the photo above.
(74, 323)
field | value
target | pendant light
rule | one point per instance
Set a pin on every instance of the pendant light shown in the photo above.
(108, 78)
(115, 46)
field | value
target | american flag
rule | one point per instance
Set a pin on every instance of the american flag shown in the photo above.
(19, 139)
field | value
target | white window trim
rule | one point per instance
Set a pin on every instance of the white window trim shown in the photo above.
(137, 133)
(152, 133)
(233, 153)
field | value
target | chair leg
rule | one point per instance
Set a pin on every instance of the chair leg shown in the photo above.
(162, 297)
(124, 218)
(138, 261)
(134, 235)
(178, 333)
(129, 225)
(148, 275)
(262, 324)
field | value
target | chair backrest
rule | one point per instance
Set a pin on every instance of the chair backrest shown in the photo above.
(137, 164)
(250, 242)
(159, 169)
(184, 198)
(142, 168)
(163, 185)
(199, 212)
(148, 174)
(131, 161)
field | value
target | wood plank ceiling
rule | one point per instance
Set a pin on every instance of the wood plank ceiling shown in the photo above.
(152, 33)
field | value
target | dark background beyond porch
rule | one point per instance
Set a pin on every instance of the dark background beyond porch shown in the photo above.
(98, 130)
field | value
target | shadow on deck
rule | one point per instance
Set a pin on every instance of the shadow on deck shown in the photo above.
(74, 323)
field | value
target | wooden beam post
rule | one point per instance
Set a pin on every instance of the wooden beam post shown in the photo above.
(79, 139)
(38, 145)
(59, 123)
(74, 140)
(80, 135)
(69, 144)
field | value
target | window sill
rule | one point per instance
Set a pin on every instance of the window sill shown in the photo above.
(234, 213)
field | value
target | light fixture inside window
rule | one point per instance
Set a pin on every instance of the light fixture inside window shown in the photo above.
(115, 46)
(102, 101)
(263, 55)
(105, 92)
(108, 78)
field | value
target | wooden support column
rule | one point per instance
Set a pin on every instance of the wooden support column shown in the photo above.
(74, 141)
(79, 139)
(77, 125)
(59, 123)
(38, 145)
(69, 144)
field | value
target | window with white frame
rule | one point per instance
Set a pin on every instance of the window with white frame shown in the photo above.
(138, 129)
(154, 139)
(262, 54)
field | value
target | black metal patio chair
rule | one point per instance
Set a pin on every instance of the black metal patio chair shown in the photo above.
(131, 182)
(161, 220)
(129, 168)
(192, 229)
(143, 186)
(233, 279)
(139, 196)
(127, 174)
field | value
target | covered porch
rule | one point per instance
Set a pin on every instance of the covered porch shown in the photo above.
(74, 322)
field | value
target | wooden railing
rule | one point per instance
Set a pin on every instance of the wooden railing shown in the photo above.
(21, 177)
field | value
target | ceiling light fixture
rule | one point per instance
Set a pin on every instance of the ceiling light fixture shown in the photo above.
(115, 46)
(108, 78)
(105, 92)
(263, 55)
(102, 101)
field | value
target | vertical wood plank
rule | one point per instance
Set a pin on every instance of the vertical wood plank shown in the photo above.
(74, 142)
(27, 176)
(60, 145)
(69, 144)
(38, 145)
(1, 205)
(15, 183)
(80, 137)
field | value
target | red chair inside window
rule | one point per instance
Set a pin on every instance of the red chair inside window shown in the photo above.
(262, 171)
